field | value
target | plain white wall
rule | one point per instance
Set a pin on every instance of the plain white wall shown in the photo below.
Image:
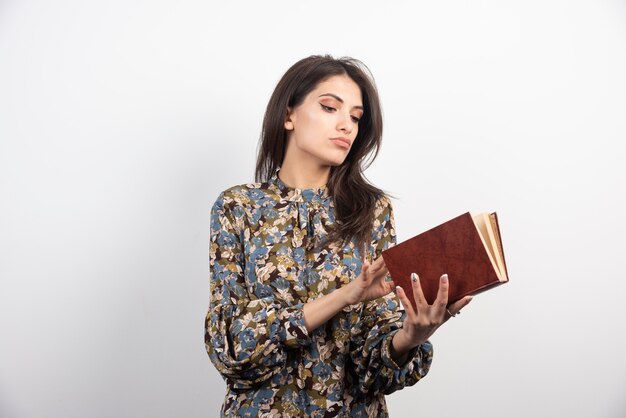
(121, 121)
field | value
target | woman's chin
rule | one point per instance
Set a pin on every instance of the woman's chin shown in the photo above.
(336, 163)
(337, 160)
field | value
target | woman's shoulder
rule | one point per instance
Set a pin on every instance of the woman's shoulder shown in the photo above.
(383, 202)
(246, 194)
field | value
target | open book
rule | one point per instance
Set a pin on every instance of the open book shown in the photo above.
(468, 248)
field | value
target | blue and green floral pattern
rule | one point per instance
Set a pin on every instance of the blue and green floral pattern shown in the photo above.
(266, 262)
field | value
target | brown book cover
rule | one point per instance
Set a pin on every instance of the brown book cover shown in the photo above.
(468, 248)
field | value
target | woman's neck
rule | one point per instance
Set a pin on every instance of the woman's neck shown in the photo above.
(304, 176)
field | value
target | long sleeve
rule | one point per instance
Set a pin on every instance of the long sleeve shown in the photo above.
(247, 335)
(379, 321)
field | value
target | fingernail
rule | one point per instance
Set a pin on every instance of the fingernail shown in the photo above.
(398, 288)
(414, 277)
(444, 278)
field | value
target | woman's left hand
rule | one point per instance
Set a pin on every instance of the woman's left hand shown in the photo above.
(422, 322)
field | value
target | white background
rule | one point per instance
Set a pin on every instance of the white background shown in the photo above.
(121, 121)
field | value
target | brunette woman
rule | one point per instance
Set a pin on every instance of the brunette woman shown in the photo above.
(303, 318)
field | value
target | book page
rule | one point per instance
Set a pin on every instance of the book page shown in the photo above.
(493, 218)
(480, 221)
(485, 225)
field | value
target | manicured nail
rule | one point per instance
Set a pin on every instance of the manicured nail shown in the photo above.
(444, 278)
(398, 288)
(414, 277)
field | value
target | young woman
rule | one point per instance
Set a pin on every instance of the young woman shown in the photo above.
(303, 318)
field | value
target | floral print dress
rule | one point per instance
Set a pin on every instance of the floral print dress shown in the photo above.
(265, 264)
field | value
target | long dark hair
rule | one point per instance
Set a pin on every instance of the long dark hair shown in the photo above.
(353, 196)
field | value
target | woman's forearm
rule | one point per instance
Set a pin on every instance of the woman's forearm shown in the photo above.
(400, 346)
(319, 311)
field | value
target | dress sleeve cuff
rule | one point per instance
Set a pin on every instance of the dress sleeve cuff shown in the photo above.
(421, 353)
(293, 332)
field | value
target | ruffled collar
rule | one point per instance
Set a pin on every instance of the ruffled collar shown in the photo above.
(315, 195)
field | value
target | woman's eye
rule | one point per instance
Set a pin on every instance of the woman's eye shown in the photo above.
(355, 119)
(327, 108)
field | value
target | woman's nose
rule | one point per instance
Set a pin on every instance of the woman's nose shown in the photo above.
(345, 124)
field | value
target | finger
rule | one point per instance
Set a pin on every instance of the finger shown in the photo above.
(459, 304)
(388, 287)
(384, 281)
(365, 272)
(441, 302)
(381, 273)
(408, 306)
(388, 283)
(418, 294)
(378, 264)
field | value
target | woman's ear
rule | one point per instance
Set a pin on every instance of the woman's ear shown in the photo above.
(288, 123)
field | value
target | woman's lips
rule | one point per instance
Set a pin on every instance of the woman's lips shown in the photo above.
(342, 142)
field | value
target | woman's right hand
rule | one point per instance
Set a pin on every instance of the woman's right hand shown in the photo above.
(370, 284)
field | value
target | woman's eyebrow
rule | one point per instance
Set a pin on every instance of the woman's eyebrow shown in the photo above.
(339, 99)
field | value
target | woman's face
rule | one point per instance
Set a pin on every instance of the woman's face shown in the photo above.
(324, 126)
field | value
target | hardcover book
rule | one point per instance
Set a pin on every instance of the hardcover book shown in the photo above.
(468, 248)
